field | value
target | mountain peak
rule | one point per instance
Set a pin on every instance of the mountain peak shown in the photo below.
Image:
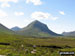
(36, 22)
(16, 28)
(37, 28)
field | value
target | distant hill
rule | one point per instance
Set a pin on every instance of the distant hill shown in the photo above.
(5, 30)
(37, 28)
(69, 33)
(15, 28)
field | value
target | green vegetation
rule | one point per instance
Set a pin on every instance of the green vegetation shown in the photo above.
(32, 46)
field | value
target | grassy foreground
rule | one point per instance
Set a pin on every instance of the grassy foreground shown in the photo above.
(15, 45)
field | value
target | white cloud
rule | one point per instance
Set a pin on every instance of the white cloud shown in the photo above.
(62, 12)
(13, 1)
(42, 15)
(4, 3)
(9, 1)
(35, 2)
(3, 14)
(19, 13)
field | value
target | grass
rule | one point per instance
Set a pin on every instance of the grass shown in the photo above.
(22, 45)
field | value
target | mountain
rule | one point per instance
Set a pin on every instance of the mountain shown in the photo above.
(69, 33)
(5, 30)
(37, 28)
(15, 28)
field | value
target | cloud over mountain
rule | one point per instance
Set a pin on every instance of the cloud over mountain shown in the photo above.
(42, 15)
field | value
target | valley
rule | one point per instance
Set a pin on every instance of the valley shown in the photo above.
(34, 40)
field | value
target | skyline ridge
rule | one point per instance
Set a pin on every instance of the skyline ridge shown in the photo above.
(58, 15)
(28, 24)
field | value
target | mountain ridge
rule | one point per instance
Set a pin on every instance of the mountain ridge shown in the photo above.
(16, 28)
(5, 30)
(72, 33)
(37, 28)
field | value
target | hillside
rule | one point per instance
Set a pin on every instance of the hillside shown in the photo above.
(5, 30)
(37, 28)
(69, 33)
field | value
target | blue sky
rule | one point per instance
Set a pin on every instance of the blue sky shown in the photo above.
(59, 15)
